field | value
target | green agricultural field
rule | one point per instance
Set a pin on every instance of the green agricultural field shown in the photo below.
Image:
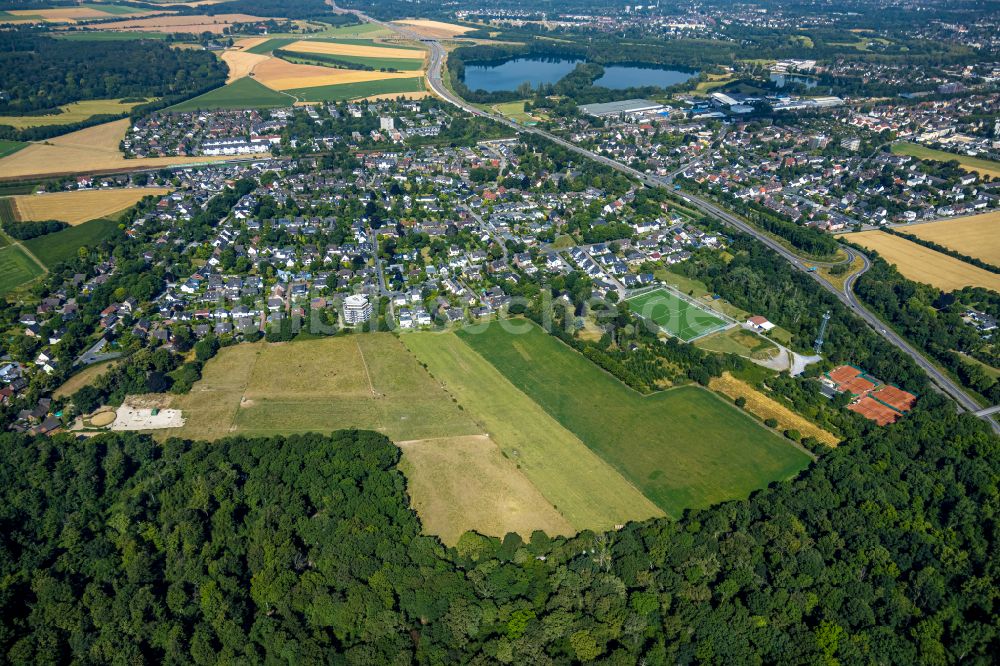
(675, 315)
(242, 93)
(585, 489)
(16, 268)
(8, 214)
(684, 448)
(515, 111)
(272, 44)
(10, 147)
(17, 187)
(371, 29)
(360, 381)
(372, 42)
(345, 91)
(52, 249)
(983, 167)
(400, 64)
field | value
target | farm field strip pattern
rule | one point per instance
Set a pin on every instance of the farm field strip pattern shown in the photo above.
(279, 74)
(922, 264)
(684, 448)
(585, 489)
(347, 49)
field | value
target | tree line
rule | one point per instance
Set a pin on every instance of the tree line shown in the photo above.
(303, 549)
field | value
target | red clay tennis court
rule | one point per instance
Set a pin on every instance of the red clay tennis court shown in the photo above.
(850, 379)
(874, 410)
(897, 398)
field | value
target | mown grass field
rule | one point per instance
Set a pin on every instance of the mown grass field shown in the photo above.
(739, 341)
(71, 113)
(346, 91)
(976, 236)
(16, 268)
(674, 315)
(361, 381)
(52, 249)
(84, 377)
(514, 111)
(457, 484)
(585, 489)
(922, 264)
(243, 93)
(683, 448)
(712, 82)
(457, 477)
(980, 166)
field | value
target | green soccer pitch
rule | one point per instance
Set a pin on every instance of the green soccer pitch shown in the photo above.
(675, 315)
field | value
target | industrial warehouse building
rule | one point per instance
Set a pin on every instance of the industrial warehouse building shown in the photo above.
(625, 106)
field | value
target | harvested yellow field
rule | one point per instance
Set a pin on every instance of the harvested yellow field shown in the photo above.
(249, 42)
(329, 48)
(434, 29)
(241, 63)
(282, 75)
(59, 15)
(197, 23)
(87, 150)
(765, 407)
(71, 113)
(977, 236)
(81, 206)
(921, 264)
(491, 495)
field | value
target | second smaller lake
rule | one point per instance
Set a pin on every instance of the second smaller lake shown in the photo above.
(619, 77)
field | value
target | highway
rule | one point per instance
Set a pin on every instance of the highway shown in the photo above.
(846, 296)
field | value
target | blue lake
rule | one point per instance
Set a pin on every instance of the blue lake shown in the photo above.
(618, 77)
(781, 80)
(510, 74)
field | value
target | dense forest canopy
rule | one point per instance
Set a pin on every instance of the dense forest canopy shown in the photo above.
(296, 549)
(38, 74)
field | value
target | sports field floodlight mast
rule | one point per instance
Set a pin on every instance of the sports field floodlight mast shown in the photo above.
(822, 331)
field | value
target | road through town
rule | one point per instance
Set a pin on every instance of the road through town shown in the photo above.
(846, 296)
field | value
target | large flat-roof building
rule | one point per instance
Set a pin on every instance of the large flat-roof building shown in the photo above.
(357, 309)
(625, 106)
